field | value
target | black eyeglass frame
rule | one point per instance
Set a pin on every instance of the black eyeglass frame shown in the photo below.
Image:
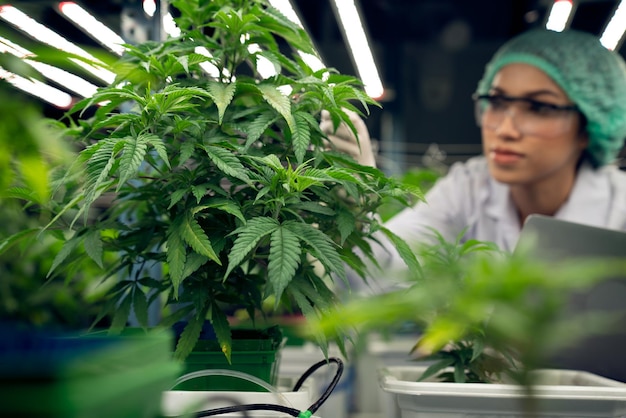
(531, 102)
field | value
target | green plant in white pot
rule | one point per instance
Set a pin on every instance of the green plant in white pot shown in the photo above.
(221, 179)
(487, 317)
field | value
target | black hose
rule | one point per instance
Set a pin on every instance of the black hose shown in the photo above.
(316, 405)
(281, 408)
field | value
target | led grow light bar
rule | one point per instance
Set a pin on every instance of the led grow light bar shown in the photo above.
(92, 26)
(36, 30)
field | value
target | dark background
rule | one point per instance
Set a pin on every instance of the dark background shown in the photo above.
(430, 55)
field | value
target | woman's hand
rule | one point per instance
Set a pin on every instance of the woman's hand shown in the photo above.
(343, 138)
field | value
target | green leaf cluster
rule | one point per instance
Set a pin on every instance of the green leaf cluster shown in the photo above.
(194, 164)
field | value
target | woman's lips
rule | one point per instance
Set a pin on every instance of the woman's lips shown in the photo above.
(504, 156)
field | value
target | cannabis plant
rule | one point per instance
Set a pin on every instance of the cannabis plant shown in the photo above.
(219, 178)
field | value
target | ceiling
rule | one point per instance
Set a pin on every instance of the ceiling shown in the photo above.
(430, 54)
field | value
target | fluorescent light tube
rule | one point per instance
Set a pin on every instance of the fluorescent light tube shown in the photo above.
(43, 34)
(68, 80)
(359, 46)
(38, 89)
(613, 34)
(559, 15)
(92, 26)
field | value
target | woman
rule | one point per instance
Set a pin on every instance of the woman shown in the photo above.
(552, 112)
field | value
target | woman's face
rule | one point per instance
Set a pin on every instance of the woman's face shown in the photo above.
(524, 141)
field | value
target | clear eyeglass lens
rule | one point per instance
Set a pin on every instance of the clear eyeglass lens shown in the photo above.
(530, 118)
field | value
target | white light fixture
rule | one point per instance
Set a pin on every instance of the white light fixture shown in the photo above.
(285, 7)
(559, 16)
(38, 89)
(149, 7)
(43, 34)
(68, 80)
(359, 47)
(613, 34)
(92, 26)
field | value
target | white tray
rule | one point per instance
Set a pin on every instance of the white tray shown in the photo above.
(179, 402)
(559, 393)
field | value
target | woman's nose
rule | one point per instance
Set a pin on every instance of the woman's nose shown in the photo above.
(507, 126)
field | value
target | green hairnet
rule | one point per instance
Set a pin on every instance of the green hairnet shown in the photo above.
(593, 77)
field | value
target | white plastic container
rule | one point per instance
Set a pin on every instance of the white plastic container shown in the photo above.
(559, 393)
(175, 403)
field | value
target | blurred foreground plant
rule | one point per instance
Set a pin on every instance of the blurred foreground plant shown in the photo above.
(486, 315)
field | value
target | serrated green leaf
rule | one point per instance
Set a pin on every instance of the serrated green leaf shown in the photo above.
(223, 205)
(284, 259)
(222, 94)
(18, 193)
(65, 251)
(315, 207)
(115, 96)
(282, 26)
(140, 306)
(309, 312)
(435, 368)
(192, 233)
(194, 262)
(273, 162)
(176, 254)
(99, 167)
(220, 324)
(133, 154)
(122, 312)
(321, 246)
(189, 336)
(186, 151)
(159, 146)
(248, 236)
(301, 137)
(117, 120)
(93, 246)
(279, 102)
(477, 348)
(227, 162)
(255, 128)
(198, 191)
(176, 196)
(178, 315)
(346, 223)
(405, 252)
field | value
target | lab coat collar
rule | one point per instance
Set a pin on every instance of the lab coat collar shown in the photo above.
(589, 201)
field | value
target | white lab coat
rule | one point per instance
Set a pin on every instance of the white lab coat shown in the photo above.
(468, 197)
